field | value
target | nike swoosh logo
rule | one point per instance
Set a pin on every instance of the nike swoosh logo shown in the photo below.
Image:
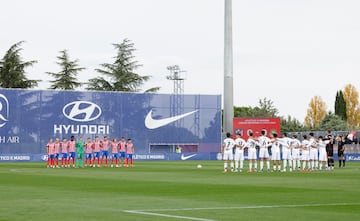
(152, 123)
(187, 157)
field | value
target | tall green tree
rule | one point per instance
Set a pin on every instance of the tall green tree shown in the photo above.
(66, 78)
(333, 122)
(340, 105)
(120, 75)
(12, 69)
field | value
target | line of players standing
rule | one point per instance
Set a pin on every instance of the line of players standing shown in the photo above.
(96, 152)
(306, 155)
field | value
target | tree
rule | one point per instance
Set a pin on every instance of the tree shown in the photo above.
(351, 97)
(333, 122)
(12, 69)
(66, 78)
(340, 105)
(121, 72)
(266, 108)
(290, 124)
(315, 113)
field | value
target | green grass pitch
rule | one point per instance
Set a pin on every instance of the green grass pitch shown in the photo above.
(175, 190)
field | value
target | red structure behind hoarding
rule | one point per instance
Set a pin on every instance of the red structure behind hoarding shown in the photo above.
(246, 125)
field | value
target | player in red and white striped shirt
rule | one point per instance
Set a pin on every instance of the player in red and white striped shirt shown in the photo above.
(130, 150)
(122, 151)
(50, 147)
(114, 151)
(57, 152)
(97, 156)
(64, 152)
(88, 152)
(105, 144)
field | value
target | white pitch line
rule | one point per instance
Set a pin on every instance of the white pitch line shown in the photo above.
(166, 215)
(246, 207)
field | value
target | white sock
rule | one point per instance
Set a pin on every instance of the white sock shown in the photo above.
(225, 166)
(255, 167)
(268, 165)
(250, 165)
(274, 167)
(285, 164)
(316, 164)
(279, 167)
(312, 164)
(241, 164)
(236, 164)
(232, 165)
(261, 165)
(290, 164)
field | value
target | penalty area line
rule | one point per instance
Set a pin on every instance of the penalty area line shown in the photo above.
(246, 207)
(166, 215)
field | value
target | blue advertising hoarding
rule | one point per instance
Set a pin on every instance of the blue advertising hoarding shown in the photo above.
(155, 123)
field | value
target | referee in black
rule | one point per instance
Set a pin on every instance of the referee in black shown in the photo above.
(341, 149)
(330, 149)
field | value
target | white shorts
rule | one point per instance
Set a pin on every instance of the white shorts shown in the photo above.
(314, 154)
(305, 155)
(322, 155)
(252, 154)
(296, 154)
(286, 154)
(263, 153)
(239, 155)
(228, 155)
(275, 155)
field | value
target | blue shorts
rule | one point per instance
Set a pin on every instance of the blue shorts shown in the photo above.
(122, 154)
(129, 156)
(64, 155)
(57, 155)
(51, 156)
(88, 155)
(97, 155)
(72, 155)
(115, 155)
(105, 153)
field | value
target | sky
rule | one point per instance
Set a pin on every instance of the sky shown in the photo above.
(285, 50)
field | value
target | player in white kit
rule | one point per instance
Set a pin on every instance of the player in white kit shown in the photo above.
(313, 152)
(322, 152)
(239, 152)
(275, 153)
(295, 148)
(227, 152)
(305, 153)
(251, 145)
(286, 151)
(264, 142)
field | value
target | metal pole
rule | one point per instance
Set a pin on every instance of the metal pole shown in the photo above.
(228, 70)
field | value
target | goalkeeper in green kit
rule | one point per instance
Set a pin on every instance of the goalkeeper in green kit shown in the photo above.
(80, 152)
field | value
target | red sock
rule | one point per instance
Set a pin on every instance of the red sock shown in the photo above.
(106, 161)
(52, 162)
(57, 162)
(117, 161)
(131, 161)
(99, 161)
(126, 161)
(73, 161)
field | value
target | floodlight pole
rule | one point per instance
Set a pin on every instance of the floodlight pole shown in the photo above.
(228, 70)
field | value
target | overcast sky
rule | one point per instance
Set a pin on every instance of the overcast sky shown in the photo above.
(285, 50)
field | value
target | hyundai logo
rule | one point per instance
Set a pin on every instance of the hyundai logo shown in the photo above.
(4, 110)
(82, 111)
